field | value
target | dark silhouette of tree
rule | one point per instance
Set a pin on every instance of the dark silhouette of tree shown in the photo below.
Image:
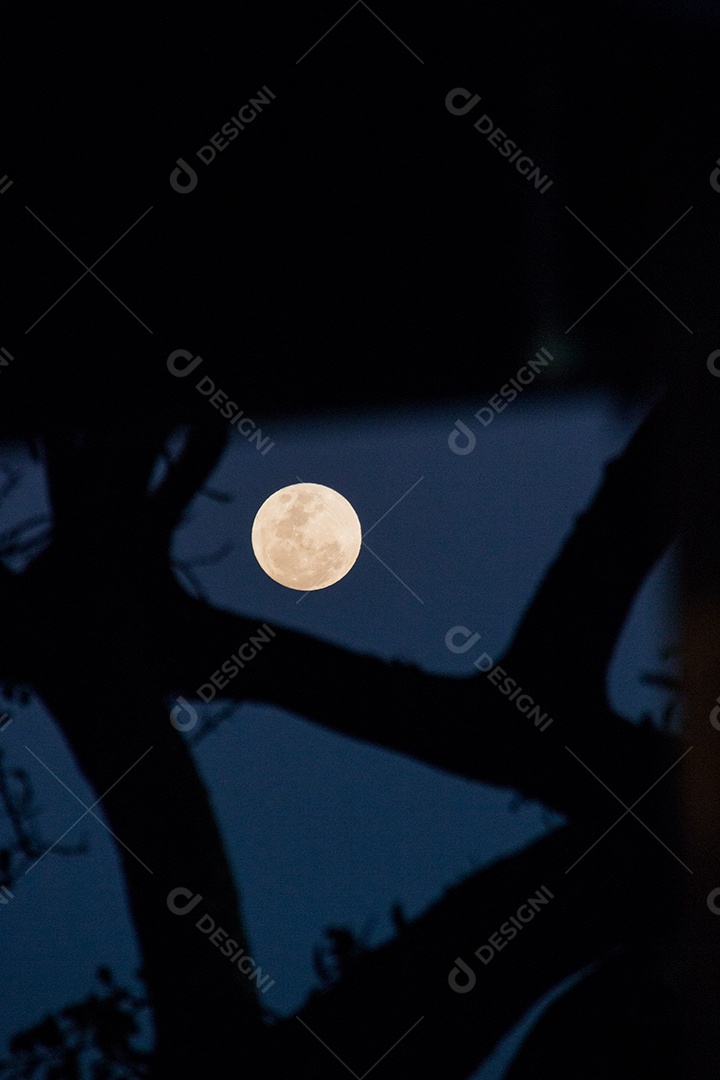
(92, 1040)
(358, 219)
(103, 590)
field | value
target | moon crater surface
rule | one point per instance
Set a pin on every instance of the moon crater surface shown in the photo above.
(306, 536)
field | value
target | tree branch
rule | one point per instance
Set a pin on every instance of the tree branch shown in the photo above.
(464, 726)
(12, 479)
(167, 838)
(26, 846)
(622, 1020)
(98, 481)
(592, 911)
(185, 477)
(570, 628)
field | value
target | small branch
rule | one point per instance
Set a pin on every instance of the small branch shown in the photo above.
(19, 806)
(213, 722)
(11, 481)
(212, 559)
(215, 495)
(11, 542)
(185, 477)
(185, 570)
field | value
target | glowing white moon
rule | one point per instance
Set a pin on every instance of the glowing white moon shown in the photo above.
(306, 536)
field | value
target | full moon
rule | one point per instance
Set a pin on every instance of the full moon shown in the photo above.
(306, 536)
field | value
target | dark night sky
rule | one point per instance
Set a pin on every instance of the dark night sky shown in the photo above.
(354, 216)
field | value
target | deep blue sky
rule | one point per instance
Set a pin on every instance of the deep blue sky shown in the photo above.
(321, 830)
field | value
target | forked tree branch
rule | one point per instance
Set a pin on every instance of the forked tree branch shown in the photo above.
(467, 726)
